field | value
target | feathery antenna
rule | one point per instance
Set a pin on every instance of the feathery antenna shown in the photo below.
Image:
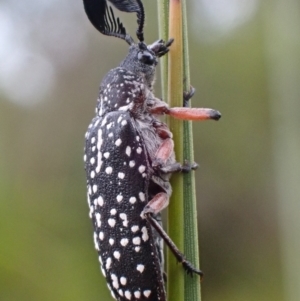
(102, 17)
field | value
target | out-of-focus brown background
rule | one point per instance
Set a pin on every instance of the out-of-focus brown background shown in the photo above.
(245, 62)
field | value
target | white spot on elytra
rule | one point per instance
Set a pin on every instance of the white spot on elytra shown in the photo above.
(101, 107)
(100, 260)
(124, 122)
(124, 242)
(121, 175)
(132, 200)
(84, 158)
(93, 148)
(142, 168)
(96, 242)
(111, 241)
(108, 263)
(119, 198)
(140, 268)
(137, 138)
(128, 151)
(128, 295)
(113, 211)
(101, 235)
(88, 199)
(92, 160)
(147, 293)
(95, 187)
(93, 140)
(115, 281)
(100, 201)
(123, 216)
(110, 135)
(134, 228)
(123, 280)
(103, 271)
(98, 219)
(142, 196)
(124, 108)
(137, 249)
(136, 240)
(137, 294)
(109, 170)
(111, 222)
(106, 155)
(119, 119)
(120, 291)
(91, 211)
(132, 163)
(99, 144)
(145, 235)
(92, 174)
(139, 150)
(117, 254)
(118, 142)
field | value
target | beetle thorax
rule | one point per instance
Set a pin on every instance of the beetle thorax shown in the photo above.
(141, 62)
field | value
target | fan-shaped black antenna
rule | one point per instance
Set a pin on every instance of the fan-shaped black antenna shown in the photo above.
(103, 18)
(131, 6)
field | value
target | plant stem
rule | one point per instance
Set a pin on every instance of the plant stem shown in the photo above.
(192, 289)
(182, 232)
(175, 209)
(163, 18)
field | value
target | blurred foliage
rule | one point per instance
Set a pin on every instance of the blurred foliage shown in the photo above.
(47, 250)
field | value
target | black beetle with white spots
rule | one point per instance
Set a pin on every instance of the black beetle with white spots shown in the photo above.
(129, 158)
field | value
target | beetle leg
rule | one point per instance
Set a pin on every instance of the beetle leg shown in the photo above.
(159, 202)
(160, 108)
(187, 95)
(177, 167)
(187, 167)
(188, 266)
(163, 153)
(162, 130)
(195, 114)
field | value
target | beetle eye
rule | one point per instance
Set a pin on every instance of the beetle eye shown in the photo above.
(146, 58)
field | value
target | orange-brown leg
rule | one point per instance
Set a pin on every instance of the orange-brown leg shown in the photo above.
(156, 204)
(196, 114)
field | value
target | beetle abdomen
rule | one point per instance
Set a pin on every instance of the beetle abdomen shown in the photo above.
(117, 170)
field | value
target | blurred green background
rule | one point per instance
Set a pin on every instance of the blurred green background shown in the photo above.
(245, 62)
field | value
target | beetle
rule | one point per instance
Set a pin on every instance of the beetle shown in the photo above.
(129, 159)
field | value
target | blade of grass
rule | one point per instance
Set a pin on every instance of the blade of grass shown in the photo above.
(192, 289)
(163, 10)
(192, 285)
(175, 209)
